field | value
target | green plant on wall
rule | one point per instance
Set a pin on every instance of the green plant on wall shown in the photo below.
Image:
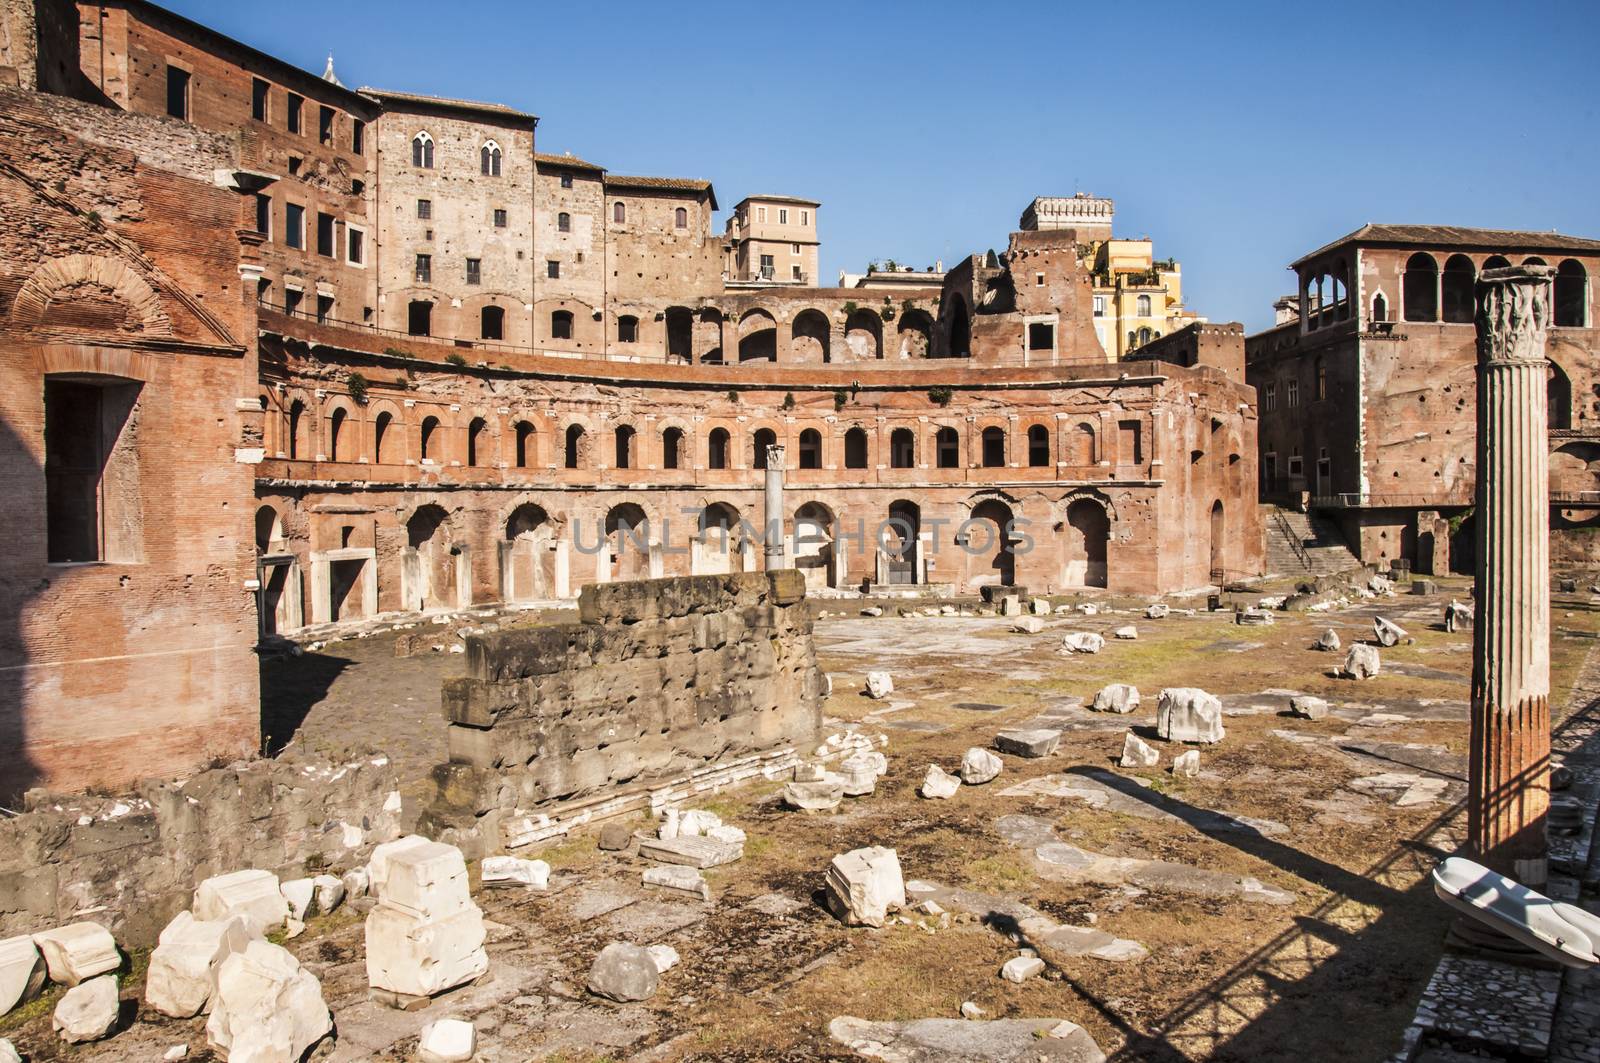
(849, 307)
(788, 400)
(940, 396)
(733, 396)
(356, 384)
(456, 360)
(839, 399)
(888, 309)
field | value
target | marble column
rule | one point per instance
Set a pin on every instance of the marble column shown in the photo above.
(1510, 752)
(773, 514)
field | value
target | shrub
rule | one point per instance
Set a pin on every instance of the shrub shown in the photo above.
(788, 400)
(839, 399)
(356, 384)
(940, 396)
(456, 360)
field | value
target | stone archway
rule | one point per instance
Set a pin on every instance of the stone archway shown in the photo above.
(1088, 532)
(991, 555)
(527, 563)
(814, 547)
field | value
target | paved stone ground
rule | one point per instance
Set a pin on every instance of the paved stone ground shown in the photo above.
(1343, 815)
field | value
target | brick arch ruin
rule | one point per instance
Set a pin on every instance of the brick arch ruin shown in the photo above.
(60, 281)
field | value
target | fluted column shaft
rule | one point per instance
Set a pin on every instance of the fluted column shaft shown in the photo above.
(774, 507)
(1510, 756)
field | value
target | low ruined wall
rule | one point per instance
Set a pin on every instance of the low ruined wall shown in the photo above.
(660, 681)
(132, 862)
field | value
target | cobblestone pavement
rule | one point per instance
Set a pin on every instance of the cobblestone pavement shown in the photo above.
(1576, 1035)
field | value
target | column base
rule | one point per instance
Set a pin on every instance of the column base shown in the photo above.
(1469, 937)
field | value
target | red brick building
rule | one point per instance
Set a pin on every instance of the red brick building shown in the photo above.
(1368, 397)
(214, 428)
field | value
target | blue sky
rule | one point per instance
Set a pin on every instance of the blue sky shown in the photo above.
(1238, 136)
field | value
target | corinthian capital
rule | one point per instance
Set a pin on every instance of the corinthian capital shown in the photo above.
(1513, 313)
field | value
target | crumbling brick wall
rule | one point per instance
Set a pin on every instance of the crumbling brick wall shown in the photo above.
(659, 677)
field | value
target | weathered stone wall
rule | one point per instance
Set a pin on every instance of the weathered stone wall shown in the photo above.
(657, 679)
(133, 862)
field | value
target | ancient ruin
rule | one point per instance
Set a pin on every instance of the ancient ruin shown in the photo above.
(464, 601)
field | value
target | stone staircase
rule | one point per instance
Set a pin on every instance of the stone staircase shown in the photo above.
(1304, 544)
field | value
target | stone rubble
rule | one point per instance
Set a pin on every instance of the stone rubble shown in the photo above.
(252, 893)
(939, 784)
(624, 972)
(1019, 969)
(1308, 707)
(1387, 632)
(183, 967)
(1040, 606)
(268, 1008)
(678, 877)
(1126, 631)
(331, 891)
(22, 971)
(515, 871)
(819, 796)
(665, 957)
(1361, 662)
(879, 684)
(1083, 642)
(1328, 641)
(8, 1052)
(1253, 617)
(1028, 625)
(1031, 743)
(87, 1011)
(692, 851)
(1189, 714)
(301, 896)
(1458, 616)
(1187, 764)
(1157, 611)
(447, 1041)
(425, 935)
(614, 837)
(1137, 753)
(78, 951)
(864, 885)
(979, 766)
(1116, 697)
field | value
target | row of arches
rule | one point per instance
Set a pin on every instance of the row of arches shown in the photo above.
(1431, 294)
(479, 441)
(443, 560)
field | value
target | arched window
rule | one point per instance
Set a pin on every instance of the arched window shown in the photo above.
(1143, 306)
(563, 222)
(1420, 288)
(1456, 289)
(1038, 446)
(476, 433)
(1534, 260)
(430, 430)
(680, 218)
(627, 329)
(574, 445)
(717, 449)
(671, 444)
(1083, 445)
(526, 438)
(947, 448)
(811, 449)
(492, 323)
(619, 212)
(902, 449)
(380, 435)
(1558, 397)
(1380, 308)
(624, 437)
(994, 447)
(422, 151)
(335, 433)
(1571, 294)
(855, 449)
(561, 325)
(1144, 336)
(297, 410)
(489, 159)
(1496, 262)
(764, 438)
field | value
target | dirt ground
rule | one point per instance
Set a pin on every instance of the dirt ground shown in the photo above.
(1328, 812)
